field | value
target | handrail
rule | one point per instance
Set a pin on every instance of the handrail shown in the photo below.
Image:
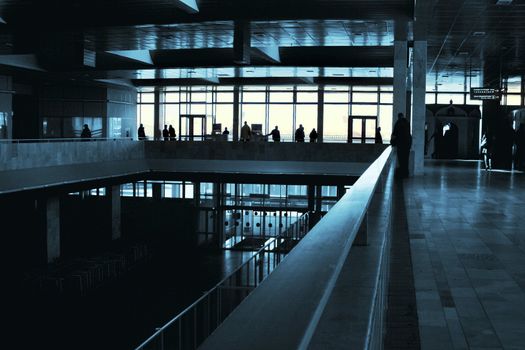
(69, 139)
(271, 244)
(300, 289)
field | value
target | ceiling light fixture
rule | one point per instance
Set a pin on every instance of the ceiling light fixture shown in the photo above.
(503, 2)
(478, 33)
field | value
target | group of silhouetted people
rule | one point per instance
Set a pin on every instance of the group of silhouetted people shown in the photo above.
(168, 133)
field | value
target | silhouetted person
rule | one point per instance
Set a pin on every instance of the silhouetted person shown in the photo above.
(313, 135)
(276, 134)
(165, 133)
(171, 131)
(378, 138)
(402, 140)
(486, 151)
(520, 147)
(450, 109)
(246, 132)
(437, 135)
(141, 132)
(299, 133)
(86, 133)
(225, 134)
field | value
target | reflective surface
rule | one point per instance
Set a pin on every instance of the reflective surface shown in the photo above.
(468, 251)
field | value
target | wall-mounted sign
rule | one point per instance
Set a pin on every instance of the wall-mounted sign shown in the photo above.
(485, 94)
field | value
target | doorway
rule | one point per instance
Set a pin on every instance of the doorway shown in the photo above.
(192, 127)
(361, 129)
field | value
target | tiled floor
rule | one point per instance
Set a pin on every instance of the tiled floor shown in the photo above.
(467, 238)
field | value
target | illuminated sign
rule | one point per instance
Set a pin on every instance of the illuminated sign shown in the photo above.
(485, 94)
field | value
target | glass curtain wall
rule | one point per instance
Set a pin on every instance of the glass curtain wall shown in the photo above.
(287, 107)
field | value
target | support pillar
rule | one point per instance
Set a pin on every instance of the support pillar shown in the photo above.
(400, 70)
(158, 120)
(236, 111)
(156, 189)
(419, 81)
(320, 113)
(52, 228)
(116, 210)
(311, 198)
(418, 107)
(242, 42)
(218, 212)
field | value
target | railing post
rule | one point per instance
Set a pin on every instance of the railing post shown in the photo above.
(361, 238)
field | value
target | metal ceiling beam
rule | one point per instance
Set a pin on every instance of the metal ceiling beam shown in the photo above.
(175, 82)
(269, 53)
(190, 6)
(21, 61)
(118, 82)
(141, 56)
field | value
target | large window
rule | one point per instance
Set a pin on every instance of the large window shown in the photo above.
(284, 106)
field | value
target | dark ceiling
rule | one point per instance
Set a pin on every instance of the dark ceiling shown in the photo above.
(147, 41)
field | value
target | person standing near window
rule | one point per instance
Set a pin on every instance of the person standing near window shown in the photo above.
(172, 134)
(141, 132)
(299, 134)
(86, 133)
(313, 135)
(276, 134)
(246, 132)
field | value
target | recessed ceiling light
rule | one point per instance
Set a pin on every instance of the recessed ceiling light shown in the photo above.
(463, 53)
(478, 33)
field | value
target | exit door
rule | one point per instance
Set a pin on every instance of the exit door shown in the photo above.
(192, 127)
(361, 129)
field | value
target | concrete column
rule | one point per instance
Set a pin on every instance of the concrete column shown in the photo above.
(320, 113)
(218, 190)
(53, 228)
(156, 189)
(236, 111)
(197, 194)
(311, 198)
(400, 70)
(418, 107)
(158, 120)
(242, 42)
(116, 211)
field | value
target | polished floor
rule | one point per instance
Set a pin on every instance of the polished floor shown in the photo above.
(467, 240)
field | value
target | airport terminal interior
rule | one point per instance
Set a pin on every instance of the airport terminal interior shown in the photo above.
(263, 174)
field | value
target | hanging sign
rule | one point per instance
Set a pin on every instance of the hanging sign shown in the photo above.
(485, 94)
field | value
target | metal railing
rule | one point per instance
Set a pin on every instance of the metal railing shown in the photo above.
(193, 325)
(72, 139)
